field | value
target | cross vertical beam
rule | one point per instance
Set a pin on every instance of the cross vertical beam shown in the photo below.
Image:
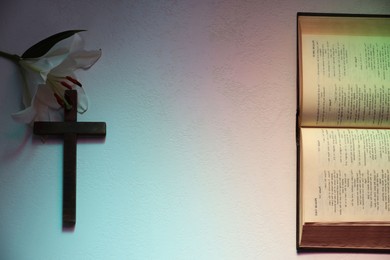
(70, 156)
(70, 130)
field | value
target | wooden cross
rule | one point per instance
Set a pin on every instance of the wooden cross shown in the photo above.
(70, 129)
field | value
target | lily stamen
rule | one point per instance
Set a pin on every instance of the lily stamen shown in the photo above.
(60, 101)
(74, 81)
(66, 85)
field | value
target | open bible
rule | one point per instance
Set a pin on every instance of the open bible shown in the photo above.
(343, 132)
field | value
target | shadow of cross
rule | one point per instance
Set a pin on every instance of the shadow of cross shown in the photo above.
(70, 129)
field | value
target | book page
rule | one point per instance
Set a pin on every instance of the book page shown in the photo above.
(345, 81)
(345, 175)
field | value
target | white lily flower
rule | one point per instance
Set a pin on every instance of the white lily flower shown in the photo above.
(47, 78)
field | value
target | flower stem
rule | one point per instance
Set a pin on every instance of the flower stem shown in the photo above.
(13, 57)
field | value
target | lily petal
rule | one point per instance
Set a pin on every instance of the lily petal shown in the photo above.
(38, 111)
(25, 116)
(82, 100)
(45, 96)
(78, 60)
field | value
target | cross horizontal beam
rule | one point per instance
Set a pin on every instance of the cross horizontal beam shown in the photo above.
(79, 128)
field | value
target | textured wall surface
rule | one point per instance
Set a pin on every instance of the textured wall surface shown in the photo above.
(199, 159)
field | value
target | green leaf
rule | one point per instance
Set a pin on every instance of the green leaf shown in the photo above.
(42, 47)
